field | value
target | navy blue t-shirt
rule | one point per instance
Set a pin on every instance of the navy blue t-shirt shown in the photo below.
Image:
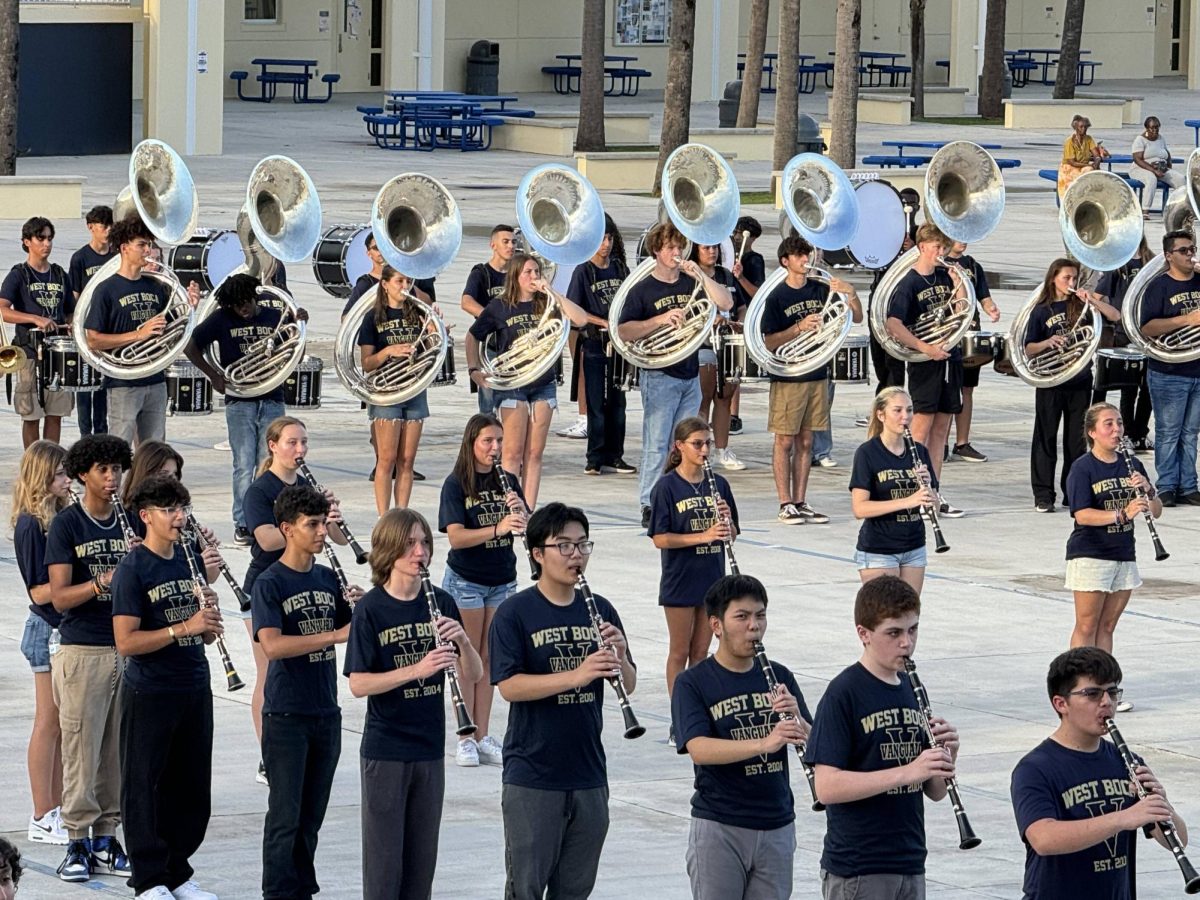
(552, 744)
(400, 326)
(86, 262)
(888, 476)
(916, 294)
(866, 725)
(300, 603)
(1095, 484)
(1114, 285)
(160, 593)
(233, 336)
(974, 270)
(1055, 782)
(365, 282)
(754, 267)
(1166, 298)
(29, 543)
(37, 293)
(651, 297)
(679, 507)
(788, 305)
(494, 562)
(408, 723)
(484, 284)
(1045, 321)
(258, 508)
(89, 549)
(120, 305)
(593, 288)
(508, 323)
(711, 701)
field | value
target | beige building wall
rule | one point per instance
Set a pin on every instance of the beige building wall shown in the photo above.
(296, 35)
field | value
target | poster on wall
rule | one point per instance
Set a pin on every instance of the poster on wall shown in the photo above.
(353, 18)
(641, 21)
(323, 21)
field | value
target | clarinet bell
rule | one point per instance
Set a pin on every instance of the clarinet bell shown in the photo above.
(633, 728)
(968, 840)
(233, 681)
(465, 725)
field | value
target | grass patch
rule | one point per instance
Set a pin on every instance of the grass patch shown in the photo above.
(630, 148)
(957, 120)
(767, 197)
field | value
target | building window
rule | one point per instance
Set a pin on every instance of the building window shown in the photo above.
(261, 11)
(642, 21)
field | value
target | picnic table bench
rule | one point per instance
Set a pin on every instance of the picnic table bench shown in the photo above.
(431, 123)
(623, 81)
(1136, 184)
(274, 72)
(1085, 72)
(1194, 124)
(872, 67)
(902, 161)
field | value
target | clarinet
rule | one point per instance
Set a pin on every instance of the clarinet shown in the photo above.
(123, 518)
(194, 530)
(465, 725)
(967, 838)
(939, 539)
(1160, 552)
(1191, 880)
(716, 496)
(768, 670)
(360, 555)
(632, 728)
(232, 681)
(338, 572)
(506, 486)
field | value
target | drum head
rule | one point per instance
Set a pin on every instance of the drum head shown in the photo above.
(223, 254)
(881, 232)
(357, 264)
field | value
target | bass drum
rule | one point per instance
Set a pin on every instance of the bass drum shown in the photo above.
(207, 258)
(880, 233)
(340, 258)
(63, 368)
(302, 390)
(189, 392)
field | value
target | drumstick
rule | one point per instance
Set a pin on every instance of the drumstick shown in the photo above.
(742, 249)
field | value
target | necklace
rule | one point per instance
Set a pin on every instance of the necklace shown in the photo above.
(92, 519)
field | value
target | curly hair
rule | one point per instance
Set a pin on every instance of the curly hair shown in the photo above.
(93, 449)
(10, 860)
(129, 230)
(235, 290)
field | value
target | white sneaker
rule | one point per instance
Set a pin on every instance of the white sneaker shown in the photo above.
(189, 890)
(1125, 706)
(467, 754)
(578, 430)
(490, 751)
(49, 829)
(158, 892)
(222, 445)
(862, 421)
(827, 462)
(728, 460)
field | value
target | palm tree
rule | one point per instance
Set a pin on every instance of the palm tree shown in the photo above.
(1068, 54)
(9, 40)
(589, 134)
(916, 11)
(677, 97)
(747, 116)
(843, 105)
(787, 83)
(991, 90)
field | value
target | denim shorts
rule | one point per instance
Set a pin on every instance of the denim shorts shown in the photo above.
(1089, 574)
(708, 356)
(912, 559)
(469, 595)
(531, 395)
(35, 643)
(412, 411)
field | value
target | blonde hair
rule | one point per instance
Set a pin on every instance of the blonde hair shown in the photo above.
(274, 433)
(31, 491)
(389, 541)
(875, 425)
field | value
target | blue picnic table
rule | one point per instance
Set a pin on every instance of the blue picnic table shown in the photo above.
(276, 71)
(623, 81)
(489, 103)
(902, 161)
(871, 74)
(1046, 62)
(430, 123)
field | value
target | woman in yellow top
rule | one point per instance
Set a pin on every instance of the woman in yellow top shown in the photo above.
(1080, 154)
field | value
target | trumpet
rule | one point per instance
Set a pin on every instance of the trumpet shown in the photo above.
(232, 681)
(193, 528)
(632, 728)
(930, 512)
(1160, 552)
(465, 725)
(506, 486)
(716, 497)
(760, 654)
(360, 555)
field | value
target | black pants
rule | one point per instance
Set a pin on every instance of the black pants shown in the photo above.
(605, 407)
(889, 371)
(1135, 409)
(300, 754)
(401, 817)
(1052, 407)
(166, 778)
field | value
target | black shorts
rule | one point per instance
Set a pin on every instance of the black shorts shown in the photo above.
(971, 376)
(936, 386)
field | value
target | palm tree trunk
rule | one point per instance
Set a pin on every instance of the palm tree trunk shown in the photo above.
(991, 91)
(589, 135)
(843, 105)
(9, 41)
(787, 83)
(916, 9)
(747, 116)
(1068, 55)
(677, 97)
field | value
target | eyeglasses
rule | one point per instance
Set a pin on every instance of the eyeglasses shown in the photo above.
(169, 510)
(566, 548)
(1185, 250)
(1093, 694)
(699, 445)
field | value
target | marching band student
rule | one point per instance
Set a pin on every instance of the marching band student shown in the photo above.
(1105, 500)
(152, 458)
(866, 748)
(593, 285)
(545, 661)
(10, 869)
(300, 613)
(480, 521)
(750, 272)
(886, 493)
(671, 394)
(83, 547)
(37, 294)
(799, 405)
(1050, 328)
(690, 527)
(86, 262)
(161, 628)
(397, 658)
(889, 371)
(962, 422)
(39, 494)
(525, 411)
(486, 283)
(127, 307)
(710, 259)
(367, 280)
(1135, 400)
(1077, 811)
(739, 734)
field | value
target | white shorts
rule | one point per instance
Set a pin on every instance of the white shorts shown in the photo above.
(1087, 574)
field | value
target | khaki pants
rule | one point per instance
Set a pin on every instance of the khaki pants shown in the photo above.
(87, 683)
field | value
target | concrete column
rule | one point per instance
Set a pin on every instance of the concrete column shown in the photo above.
(183, 106)
(714, 56)
(1193, 46)
(964, 35)
(412, 30)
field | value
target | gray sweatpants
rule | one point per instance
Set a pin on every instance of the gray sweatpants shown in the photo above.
(872, 887)
(401, 818)
(552, 842)
(725, 862)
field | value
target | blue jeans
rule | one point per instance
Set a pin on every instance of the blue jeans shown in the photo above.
(823, 440)
(92, 409)
(247, 421)
(666, 401)
(1176, 402)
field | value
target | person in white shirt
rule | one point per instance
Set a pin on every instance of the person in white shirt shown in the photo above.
(1152, 162)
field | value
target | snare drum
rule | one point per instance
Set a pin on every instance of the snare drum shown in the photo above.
(189, 392)
(978, 348)
(850, 365)
(733, 362)
(1117, 367)
(1003, 363)
(302, 390)
(207, 257)
(625, 375)
(447, 375)
(340, 258)
(63, 367)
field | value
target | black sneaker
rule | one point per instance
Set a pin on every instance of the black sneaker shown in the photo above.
(968, 453)
(77, 864)
(1044, 506)
(241, 536)
(417, 476)
(1143, 445)
(109, 855)
(946, 453)
(735, 424)
(671, 734)
(261, 775)
(646, 516)
(1167, 498)
(1192, 499)
(623, 468)
(591, 470)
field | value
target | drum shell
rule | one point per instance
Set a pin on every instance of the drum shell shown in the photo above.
(1117, 367)
(189, 392)
(302, 390)
(852, 363)
(194, 259)
(63, 368)
(1003, 357)
(447, 375)
(734, 363)
(340, 258)
(978, 349)
(625, 375)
